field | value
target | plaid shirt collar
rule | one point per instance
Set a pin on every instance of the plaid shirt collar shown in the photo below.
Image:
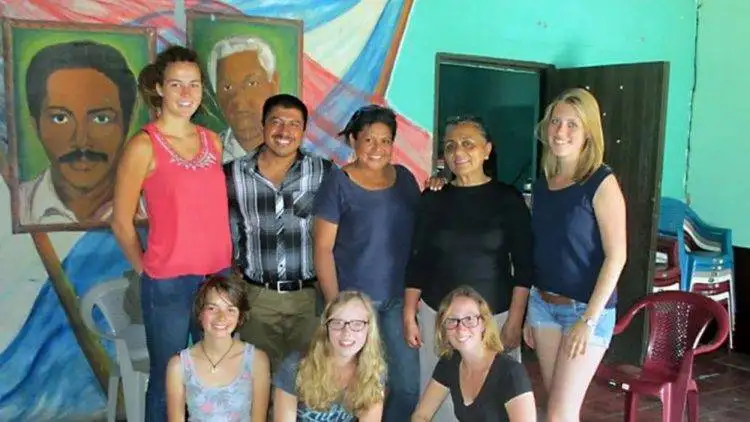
(250, 161)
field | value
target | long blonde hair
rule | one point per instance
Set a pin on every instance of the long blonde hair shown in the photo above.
(491, 335)
(592, 155)
(316, 378)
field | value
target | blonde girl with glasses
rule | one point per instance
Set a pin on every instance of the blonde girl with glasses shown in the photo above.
(484, 384)
(342, 375)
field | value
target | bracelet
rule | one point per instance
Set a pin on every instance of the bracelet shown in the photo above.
(590, 321)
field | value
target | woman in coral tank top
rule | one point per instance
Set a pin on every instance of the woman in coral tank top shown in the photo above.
(176, 165)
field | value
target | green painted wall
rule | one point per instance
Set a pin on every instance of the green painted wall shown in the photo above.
(564, 33)
(719, 146)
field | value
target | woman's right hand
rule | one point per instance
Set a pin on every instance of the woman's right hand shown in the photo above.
(528, 336)
(411, 334)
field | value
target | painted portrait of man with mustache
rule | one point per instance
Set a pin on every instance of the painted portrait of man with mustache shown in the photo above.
(80, 96)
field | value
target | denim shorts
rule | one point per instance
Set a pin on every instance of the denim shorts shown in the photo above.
(562, 317)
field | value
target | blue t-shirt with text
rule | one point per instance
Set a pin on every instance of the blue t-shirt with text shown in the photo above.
(285, 379)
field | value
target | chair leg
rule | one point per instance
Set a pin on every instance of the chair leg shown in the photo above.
(142, 396)
(692, 405)
(732, 309)
(134, 387)
(666, 404)
(631, 407)
(731, 337)
(112, 393)
(674, 405)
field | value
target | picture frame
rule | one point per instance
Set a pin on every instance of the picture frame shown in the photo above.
(71, 88)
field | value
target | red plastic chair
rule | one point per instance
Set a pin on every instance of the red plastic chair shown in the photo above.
(669, 247)
(676, 322)
(667, 276)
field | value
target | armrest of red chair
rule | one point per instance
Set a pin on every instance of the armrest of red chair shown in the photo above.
(624, 320)
(722, 330)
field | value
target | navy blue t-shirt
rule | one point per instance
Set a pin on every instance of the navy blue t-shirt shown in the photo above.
(568, 252)
(373, 242)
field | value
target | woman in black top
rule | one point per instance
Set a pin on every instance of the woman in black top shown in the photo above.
(475, 231)
(485, 385)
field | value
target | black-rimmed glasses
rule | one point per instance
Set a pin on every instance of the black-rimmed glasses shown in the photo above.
(339, 324)
(469, 321)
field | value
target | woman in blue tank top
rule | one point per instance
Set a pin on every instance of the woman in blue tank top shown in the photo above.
(578, 222)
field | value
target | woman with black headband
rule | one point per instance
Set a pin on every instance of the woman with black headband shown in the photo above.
(364, 217)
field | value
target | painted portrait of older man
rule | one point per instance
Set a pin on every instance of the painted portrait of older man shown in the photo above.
(242, 72)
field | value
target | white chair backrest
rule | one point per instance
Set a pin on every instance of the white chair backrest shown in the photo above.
(109, 298)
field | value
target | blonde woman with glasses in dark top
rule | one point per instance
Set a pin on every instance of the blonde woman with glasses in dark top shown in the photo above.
(483, 383)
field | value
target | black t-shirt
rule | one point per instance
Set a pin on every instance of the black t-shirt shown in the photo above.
(472, 235)
(506, 379)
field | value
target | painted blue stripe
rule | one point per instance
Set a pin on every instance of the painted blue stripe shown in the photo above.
(45, 375)
(313, 13)
(362, 77)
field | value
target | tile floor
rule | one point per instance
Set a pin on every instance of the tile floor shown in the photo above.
(723, 384)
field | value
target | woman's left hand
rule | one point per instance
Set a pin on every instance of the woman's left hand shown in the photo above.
(510, 335)
(577, 339)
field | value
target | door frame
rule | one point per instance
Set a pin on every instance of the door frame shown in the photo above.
(486, 62)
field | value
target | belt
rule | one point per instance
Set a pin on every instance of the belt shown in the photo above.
(555, 299)
(282, 286)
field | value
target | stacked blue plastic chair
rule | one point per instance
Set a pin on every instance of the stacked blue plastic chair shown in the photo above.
(706, 254)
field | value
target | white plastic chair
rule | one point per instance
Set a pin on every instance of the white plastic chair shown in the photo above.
(130, 347)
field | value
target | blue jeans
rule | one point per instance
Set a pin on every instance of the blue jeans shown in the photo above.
(547, 315)
(402, 360)
(167, 315)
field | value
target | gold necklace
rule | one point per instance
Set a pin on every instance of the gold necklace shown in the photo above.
(214, 365)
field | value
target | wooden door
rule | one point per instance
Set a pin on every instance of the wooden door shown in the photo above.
(632, 99)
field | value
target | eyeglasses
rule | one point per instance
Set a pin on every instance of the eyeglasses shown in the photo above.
(339, 324)
(470, 321)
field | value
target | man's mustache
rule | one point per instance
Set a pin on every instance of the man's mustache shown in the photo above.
(81, 154)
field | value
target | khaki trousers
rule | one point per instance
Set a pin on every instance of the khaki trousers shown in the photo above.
(280, 323)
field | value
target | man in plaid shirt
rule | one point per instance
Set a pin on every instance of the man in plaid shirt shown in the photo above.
(271, 192)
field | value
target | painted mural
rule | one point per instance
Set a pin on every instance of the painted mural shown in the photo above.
(72, 97)
(50, 367)
(246, 60)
